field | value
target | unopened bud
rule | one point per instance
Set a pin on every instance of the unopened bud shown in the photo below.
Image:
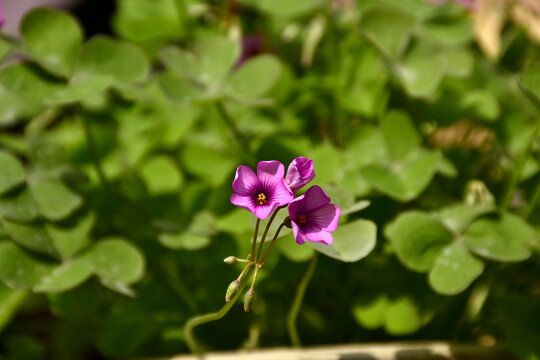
(230, 260)
(477, 193)
(249, 300)
(287, 222)
(232, 290)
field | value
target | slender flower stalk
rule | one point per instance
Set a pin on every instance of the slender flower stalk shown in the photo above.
(261, 263)
(254, 243)
(263, 239)
(297, 302)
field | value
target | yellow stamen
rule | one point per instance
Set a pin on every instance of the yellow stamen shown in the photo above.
(261, 199)
(301, 220)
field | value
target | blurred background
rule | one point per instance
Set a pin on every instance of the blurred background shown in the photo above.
(122, 124)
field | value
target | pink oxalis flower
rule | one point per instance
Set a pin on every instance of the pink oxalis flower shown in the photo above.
(262, 193)
(313, 217)
(299, 173)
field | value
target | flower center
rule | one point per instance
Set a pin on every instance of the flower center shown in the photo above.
(261, 199)
(301, 220)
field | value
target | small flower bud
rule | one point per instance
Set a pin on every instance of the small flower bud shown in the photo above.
(477, 193)
(249, 300)
(230, 260)
(232, 290)
(287, 222)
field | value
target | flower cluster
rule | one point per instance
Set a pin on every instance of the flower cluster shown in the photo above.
(311, 215)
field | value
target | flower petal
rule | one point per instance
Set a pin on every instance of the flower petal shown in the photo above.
(245, 182)
(270, 173)
(281, 195)
(243, 201)
(299, 235)
(263, 211)
(294, 206)
(299, 173)
(321, 237)
(314, 198)
(326, 217)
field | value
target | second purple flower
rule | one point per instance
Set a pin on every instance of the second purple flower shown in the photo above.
(313, 217)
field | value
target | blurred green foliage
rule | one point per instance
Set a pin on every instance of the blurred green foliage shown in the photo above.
(117, 155)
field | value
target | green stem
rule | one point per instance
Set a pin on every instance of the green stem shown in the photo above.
(271, 244)
(297, 302)
(197, 320)
(533, 201)
(170, 268)
(93, 151)
(254, 243)
(517, 173)
(257, 267)
(263, 239)
(181, 8)
(239, 137)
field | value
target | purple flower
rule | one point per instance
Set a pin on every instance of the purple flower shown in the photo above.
(313, 217)
(299, 173)
(262, 193)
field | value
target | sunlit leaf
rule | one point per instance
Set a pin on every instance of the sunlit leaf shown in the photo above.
(400, 134)
(161, 175)
(403, 317)
(64, 277)
(352, 241)
(292, 251)
(216, 57)
(53, 38)
(507, 238)
(18, 269)
(455, 269)
(370, 313)
(418, 239)
(210, 165)
(69, 238)
(12, 173)
(55, 200)
(115, 261)
(140, 20)
(255, 77)
(286, 8)
(403, 180)
(10, 300)
(459, 216)
(389, 29)
(113, 58)
(31, 236)
(530, 82)
(19, 206)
